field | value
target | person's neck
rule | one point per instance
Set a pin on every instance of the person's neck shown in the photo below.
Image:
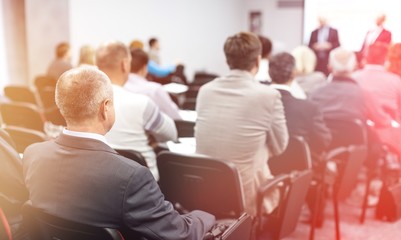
(140, 73)
(116, 78)
(88, 128)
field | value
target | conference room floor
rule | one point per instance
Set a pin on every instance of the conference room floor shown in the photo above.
(350, 227)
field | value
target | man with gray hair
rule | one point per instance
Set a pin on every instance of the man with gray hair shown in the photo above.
(136, 114)
(341, 98)
(79, 177)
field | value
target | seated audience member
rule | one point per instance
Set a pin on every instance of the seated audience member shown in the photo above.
(394, 59)
(306, 76)
(136, 114)
(155, 65)
(263, 73)
(154, 49)
(304, 118)
(384, 89)
(159, 73)
(61, 63)
(86, 56)
(13, 193)
(79, 177)
(137, 83)
(242, 121)
(342, 98)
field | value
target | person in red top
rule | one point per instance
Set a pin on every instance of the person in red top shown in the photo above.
(373, 36)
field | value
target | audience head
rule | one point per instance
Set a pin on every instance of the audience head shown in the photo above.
(153, 43)
(139, 62)
(86, 55)
(305, 60)
(63, 50)
(243, 51)
(136, 44)
(342, 61)
(282, 68)
(377, 53)
(266, 46)
(114, 59)
(394, 59)
(380, 19)
(85, 98)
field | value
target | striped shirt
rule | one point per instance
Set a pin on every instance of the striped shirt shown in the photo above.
(135, 116)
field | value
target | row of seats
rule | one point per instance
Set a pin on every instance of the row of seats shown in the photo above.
(189, 181)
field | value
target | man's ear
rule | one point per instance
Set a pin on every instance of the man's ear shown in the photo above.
(258, 61)
(104, 108)
(126, 65)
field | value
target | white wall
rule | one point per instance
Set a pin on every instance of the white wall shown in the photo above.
(3, 64)
(192, 32)
(282, 25)
(47, 25)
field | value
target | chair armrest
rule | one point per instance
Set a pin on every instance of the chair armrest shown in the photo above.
(336, 152)
(268, 186)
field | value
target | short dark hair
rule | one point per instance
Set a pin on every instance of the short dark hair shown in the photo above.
(139, 59)
(377, 53)
(152, 41)
(242, 51)
(266, 46)
(62, 49)
(281, 67)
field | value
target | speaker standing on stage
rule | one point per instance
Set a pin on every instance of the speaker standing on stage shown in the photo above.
(322, 41)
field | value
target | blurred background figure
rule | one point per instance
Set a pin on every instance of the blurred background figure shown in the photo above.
(62, 62)
(306, 76)
(322, 41)
(86, 55)
(154, 49)
(394, 59)
(263, 73)
(373, 36)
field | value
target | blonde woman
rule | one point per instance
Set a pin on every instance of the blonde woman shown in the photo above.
(86, 56)
(306, 76)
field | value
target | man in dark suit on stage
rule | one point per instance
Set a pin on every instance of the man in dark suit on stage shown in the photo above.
(376, 35)
(79, 177)
(304, 118)
(322, 41)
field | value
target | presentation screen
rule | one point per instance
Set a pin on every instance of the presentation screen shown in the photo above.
(353, 18)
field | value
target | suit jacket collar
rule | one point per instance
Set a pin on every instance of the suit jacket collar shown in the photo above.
(240, 75)
(83, 143)
(343, 79)
(285, 93)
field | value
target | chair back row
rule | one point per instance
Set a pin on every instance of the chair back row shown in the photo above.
(44, 226)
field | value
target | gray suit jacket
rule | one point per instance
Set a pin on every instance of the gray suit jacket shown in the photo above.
(86, 181)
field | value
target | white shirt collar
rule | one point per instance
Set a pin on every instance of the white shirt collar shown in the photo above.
(281, 87)
(94, 136)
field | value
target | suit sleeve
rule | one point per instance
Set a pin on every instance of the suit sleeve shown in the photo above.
(146, 212)
(312, 40)
(336, 41)
(277, 136)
